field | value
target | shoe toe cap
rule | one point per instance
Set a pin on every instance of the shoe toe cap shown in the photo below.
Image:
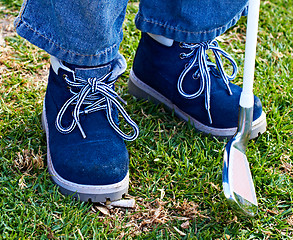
(257, 110)
(92, 162)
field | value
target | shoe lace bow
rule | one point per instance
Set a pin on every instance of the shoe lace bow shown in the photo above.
(96, 94)
(200, 60)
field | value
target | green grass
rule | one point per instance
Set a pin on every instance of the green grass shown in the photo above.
(175, 171)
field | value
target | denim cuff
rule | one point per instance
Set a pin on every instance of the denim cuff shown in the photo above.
(152, 25)
(35, 37)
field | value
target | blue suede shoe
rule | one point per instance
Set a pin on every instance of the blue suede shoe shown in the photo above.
(182, 77)
(86, 153)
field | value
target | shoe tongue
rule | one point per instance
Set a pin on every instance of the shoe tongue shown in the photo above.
(95, 72)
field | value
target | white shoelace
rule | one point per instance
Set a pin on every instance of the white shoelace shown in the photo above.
(97, 95)
(199, 59)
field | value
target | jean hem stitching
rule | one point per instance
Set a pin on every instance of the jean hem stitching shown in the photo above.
(152, 21)
(62, 49)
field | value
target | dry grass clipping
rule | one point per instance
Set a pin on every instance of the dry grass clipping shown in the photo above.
(148, 215)
(286, 165)
(26, 160)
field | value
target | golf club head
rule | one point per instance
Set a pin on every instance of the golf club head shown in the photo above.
(237, 180)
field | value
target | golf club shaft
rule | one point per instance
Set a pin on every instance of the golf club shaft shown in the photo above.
(247, 98)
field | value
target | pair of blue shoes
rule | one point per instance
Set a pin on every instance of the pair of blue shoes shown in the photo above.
(86, 154)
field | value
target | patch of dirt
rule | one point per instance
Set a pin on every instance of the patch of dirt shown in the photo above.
(7, 28)
(9, 66)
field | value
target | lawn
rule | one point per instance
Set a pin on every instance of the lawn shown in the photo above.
(175, 171)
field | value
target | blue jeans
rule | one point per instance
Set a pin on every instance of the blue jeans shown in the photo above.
(86, 32)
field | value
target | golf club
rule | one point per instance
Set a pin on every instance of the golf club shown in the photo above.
(237, 180)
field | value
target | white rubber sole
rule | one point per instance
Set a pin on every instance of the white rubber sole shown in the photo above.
(82, 192)
(141, 90)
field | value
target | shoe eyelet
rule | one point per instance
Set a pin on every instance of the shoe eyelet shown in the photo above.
(186, 65)
(193, 76)
(64, 76)
(181, 44)
(181, 55)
